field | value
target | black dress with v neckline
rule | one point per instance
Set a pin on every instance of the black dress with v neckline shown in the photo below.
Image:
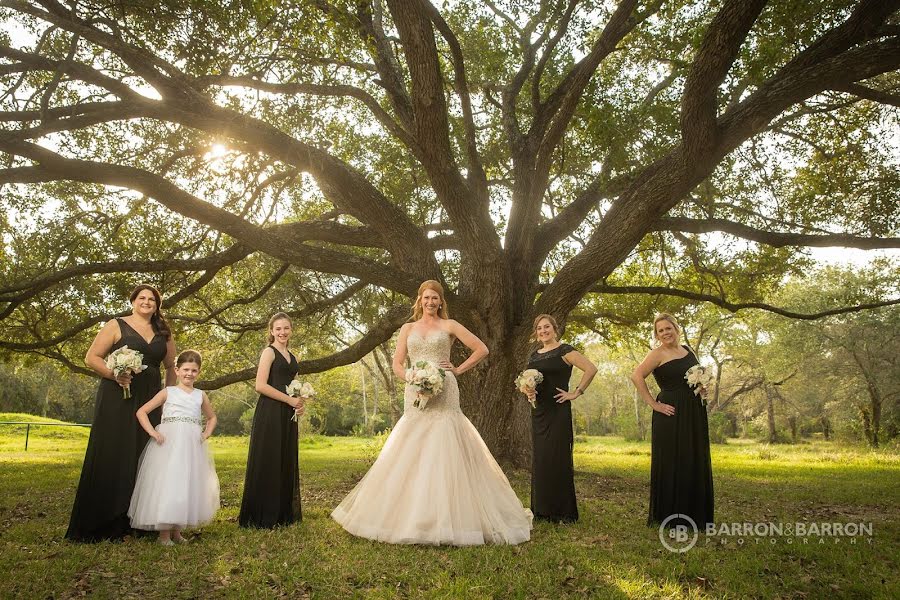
(100, 510)
(272, 483)
(680, 465)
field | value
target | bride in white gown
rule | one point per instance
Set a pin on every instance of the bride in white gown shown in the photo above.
(435, 481)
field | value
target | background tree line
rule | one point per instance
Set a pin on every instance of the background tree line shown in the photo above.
(779, 379)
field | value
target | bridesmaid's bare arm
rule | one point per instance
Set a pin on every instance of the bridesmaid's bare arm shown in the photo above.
(100, 348)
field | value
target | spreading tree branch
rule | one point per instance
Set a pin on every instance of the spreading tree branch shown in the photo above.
(736, 306)
(775, 238)
(393, 319)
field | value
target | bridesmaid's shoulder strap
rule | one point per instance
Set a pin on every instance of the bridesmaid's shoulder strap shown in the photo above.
(691, 350)
(123, 324)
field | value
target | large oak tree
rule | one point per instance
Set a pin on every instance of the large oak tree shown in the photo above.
(538, 157)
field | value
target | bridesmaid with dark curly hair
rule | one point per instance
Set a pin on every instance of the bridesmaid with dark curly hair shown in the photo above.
(117, 439)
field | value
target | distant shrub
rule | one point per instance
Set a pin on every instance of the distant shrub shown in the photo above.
(719, 426)
(247, 420)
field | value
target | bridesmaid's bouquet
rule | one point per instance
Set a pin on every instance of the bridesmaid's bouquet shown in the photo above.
(296, 389)
(427, 378)
(701, 379)
(125, 360)
(527, 381)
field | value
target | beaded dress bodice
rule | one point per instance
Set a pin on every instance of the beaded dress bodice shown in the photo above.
(432, 347)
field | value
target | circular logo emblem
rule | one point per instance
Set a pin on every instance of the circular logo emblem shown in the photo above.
(680, 537)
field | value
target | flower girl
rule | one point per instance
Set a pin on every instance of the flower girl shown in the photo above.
(176, 485)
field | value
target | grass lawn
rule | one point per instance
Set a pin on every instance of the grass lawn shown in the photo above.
(610, 553)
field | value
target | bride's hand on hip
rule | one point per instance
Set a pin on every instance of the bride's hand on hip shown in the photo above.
(448, 366)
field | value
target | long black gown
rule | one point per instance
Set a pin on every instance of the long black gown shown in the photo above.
(680, 467)
(552, 438)
(272, 484)
(114, 447)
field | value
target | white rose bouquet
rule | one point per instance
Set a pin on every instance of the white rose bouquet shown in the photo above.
(527, 381)
(701, 379)
(427, 378)
(125, 360)
(296, 389)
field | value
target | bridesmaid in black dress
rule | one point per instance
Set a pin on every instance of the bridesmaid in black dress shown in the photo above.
(104, 491)
(272, 484)
(552, 469)
(680, 466)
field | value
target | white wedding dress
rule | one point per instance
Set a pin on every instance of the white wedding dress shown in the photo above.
(435, 481)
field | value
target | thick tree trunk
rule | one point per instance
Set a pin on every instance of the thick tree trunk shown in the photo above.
(497, 410)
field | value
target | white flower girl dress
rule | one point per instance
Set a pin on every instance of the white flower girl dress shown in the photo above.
(176, 484)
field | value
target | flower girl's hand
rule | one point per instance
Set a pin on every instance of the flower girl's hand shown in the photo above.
(448, 366)
(160, 438)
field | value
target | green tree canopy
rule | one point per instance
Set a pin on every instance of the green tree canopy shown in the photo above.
(325, 157)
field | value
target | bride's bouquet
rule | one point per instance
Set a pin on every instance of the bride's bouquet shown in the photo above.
(701, 379)
(527, 381)
(124, 360)
(427, 378)
(296, 389)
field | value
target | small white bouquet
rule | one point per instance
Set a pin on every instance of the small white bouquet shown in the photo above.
(701, 379)
(427, 378)
(296, 389)
(527, 381)
(124, 360)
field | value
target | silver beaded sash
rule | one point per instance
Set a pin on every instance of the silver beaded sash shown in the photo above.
(193, 420)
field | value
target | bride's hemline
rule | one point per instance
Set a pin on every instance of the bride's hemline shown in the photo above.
(512, 537)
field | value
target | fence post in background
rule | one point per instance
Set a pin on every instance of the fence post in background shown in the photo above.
(28, 425)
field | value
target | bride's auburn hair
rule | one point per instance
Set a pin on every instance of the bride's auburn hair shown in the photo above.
(431, 284)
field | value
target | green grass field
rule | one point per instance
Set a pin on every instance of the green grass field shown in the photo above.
(610, 553)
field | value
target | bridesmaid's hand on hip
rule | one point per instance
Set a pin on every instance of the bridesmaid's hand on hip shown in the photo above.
(665, 409)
